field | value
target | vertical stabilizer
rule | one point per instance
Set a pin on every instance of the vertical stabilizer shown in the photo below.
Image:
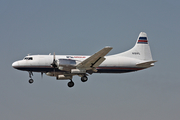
(141, 50)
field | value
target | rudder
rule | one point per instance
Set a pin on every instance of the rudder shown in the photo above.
(141, 50)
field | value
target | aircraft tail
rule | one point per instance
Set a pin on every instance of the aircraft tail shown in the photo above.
(141, 50)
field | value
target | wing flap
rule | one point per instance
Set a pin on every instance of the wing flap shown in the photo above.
(98, 62)
(94, 60)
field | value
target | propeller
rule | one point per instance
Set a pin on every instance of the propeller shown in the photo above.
(41, 75)
(54, 63)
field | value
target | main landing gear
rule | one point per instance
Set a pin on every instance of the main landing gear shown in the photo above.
(30, 80)
(84, 78)
(71, 83)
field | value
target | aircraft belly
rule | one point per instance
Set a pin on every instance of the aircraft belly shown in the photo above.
(117, 69)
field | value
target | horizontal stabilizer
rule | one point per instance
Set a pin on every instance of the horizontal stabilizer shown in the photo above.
(146, 64)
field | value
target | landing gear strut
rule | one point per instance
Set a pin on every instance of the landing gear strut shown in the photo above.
(70, 84)
(30, 80)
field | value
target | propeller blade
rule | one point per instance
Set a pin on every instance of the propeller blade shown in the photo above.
(54, 63)
(41, 75)
(54, 55)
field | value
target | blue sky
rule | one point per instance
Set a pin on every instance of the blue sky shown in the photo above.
(84, 27)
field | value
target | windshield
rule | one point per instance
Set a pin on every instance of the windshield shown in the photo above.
(28, 58)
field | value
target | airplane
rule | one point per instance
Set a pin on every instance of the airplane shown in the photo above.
(64, 67)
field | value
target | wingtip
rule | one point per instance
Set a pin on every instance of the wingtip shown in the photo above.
(108, 47)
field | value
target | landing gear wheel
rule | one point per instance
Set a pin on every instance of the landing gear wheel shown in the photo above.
(84, 78)
(31, 81)
(70, 84)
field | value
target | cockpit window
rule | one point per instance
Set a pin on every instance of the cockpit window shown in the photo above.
(28, 58)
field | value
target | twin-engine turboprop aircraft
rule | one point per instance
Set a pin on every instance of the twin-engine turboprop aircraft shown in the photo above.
(66, 66)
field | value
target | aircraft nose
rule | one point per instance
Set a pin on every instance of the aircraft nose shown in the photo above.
(15, 64)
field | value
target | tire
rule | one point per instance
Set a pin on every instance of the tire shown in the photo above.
(84, 78)
(31, 81)
(70, 84)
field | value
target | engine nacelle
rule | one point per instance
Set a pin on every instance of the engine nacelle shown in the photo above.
(50, 74)
(78, 71)
(63, 77)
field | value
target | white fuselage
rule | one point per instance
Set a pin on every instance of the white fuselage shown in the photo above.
(112, 64)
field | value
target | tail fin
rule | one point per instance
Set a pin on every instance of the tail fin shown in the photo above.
(141, 50)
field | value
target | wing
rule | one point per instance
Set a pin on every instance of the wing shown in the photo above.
(94, 60)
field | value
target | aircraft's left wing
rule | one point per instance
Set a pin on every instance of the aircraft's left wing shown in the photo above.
(94, 60)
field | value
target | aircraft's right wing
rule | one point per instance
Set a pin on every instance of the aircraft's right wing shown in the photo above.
(94, 60)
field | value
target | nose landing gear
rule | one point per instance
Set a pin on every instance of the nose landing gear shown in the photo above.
(30, 80)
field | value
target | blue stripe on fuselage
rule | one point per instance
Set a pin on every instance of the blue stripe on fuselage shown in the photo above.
(37, 69)
(100, 69)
